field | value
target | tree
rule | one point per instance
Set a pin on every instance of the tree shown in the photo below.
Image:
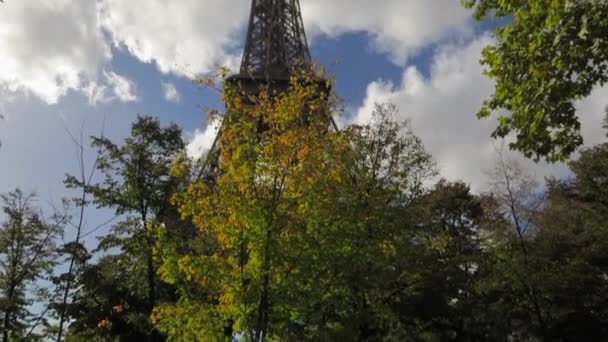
(75, 252)
(137, 185)
(548, 55)
(519, 277)
(368, 254)
(299, 231)
(549, 262)
(570, 250)
(27, 255)
(449, 301)
(255, 219)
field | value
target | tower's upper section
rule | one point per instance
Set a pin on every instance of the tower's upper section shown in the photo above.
(276, 42)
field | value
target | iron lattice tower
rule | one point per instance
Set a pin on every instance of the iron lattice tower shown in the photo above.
(275, 48)
(276, 42)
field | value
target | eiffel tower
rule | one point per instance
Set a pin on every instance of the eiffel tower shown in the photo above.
(275, 48)
(276, 42)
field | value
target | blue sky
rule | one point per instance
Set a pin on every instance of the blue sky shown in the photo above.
(72, 64)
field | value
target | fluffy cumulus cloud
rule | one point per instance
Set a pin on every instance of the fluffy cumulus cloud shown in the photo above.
(398, 27)
(170, 92)
(50, 47)
(184, 37)
(202, 34)
(441, 108)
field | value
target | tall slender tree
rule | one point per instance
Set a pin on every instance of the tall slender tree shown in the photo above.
(137, 185)
(75, 250)
(27, 255)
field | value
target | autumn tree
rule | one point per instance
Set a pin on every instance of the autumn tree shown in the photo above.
(28, 244)
(299, 225)
(548, 55)
(254, 219)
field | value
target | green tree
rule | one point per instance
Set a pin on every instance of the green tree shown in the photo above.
(137, 184)
(524, 304)
(74, 252)
(27, 255)
(548, 54)
(445, 302)
(568, 253)
(368, 254)
(547, 280)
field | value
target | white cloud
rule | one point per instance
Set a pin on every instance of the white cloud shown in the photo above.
(591, 113)
(122, 87)
(171, 93)
(201, 34)
(50, 47)
(113, 87)
(185, 37)
(442, 110)
(202, 140)
(398, 27)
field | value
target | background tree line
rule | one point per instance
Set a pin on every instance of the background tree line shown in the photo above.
(345, 244)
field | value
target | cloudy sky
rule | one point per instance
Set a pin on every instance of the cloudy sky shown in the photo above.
(71, 65)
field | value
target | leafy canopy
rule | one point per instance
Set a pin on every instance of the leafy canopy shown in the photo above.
(117, 294)
(548, 55)
(255, 219)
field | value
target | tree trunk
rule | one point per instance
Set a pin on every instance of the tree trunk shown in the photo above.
(5, 326)
(7, 314)
(151, 281)
(66, 293)
(151, 273)
(262, 323)
(262, 320)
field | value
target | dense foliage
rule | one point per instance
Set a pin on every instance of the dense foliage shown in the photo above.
(117, 292)
(28, 244)
(310, 234)
(548, 55)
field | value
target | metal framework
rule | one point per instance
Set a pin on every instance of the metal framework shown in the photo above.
(276, 42)
(275, 48)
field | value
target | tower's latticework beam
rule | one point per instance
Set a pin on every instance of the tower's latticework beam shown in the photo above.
(276, 42)
(275, 48)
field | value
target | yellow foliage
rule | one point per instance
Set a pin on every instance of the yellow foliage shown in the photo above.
(104, 325)
(275, 165)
